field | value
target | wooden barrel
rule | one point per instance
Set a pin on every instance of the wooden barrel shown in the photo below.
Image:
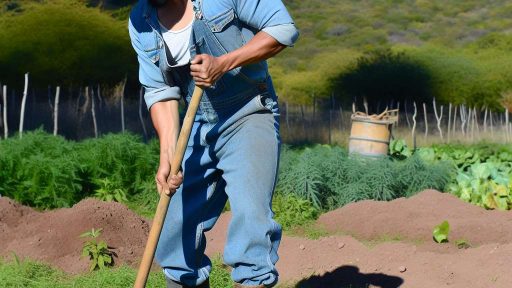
(369, 137)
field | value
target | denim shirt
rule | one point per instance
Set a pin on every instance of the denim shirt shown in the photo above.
(232, 23)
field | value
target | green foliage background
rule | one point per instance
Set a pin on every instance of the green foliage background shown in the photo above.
(63, 42)
(458, 50)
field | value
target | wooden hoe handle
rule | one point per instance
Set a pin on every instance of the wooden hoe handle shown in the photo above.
(161, 210)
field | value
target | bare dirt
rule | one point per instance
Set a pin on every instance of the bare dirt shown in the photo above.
(54, 236)
(369, 243)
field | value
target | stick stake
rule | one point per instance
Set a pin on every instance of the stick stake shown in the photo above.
(4, 96)
(163, 204)
(23, 101)
(56, 112)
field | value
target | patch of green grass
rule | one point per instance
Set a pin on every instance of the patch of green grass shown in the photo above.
(309, 230)
(220, 275)
(31, 274)
(382, 239)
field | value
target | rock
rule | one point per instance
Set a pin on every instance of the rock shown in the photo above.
(402, 269)
(341, 245)
(302, 247)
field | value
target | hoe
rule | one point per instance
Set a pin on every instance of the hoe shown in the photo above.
(163, 203)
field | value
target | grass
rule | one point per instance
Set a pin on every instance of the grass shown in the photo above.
(310, 230)
(31, 274)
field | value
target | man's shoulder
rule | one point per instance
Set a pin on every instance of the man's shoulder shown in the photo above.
(212, 8)
(138, 14)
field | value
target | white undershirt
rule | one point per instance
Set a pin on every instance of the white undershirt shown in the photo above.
(178, 42)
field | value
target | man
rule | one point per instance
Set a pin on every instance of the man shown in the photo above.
(220, 45)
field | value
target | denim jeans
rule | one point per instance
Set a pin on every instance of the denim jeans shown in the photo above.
(236, 158)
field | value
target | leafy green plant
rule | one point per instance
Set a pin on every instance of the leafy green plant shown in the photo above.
(292, 211)
(99, 253)
(441, 232)
(484, 184)
(398, 149)
(302, 178)
(108, 191)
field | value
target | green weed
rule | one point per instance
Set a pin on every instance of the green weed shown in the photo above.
(97, 252)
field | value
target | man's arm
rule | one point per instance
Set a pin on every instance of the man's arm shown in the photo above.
(276, 31)
(207, 69)
(162, 102)
(165, 118)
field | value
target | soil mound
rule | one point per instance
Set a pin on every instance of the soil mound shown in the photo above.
(53, 236)
(329, 262)
(342, 261)
(415, 218)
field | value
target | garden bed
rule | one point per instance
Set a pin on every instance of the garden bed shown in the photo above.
(364, 244)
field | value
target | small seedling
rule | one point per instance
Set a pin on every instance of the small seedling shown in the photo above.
(109, 192)
(462, 244)
(98, 252)
(441, 232)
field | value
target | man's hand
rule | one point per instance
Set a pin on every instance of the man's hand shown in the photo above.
(164, 181)
(206, 70)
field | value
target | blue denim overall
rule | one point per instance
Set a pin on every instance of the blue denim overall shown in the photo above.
(233, 153)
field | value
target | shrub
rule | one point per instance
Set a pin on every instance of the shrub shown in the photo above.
(329, 178)
(40, 170)
(292, 211)
(45, 171)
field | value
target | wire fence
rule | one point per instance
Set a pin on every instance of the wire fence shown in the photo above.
(84, 113)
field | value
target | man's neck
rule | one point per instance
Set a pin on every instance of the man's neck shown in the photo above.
(175, 14)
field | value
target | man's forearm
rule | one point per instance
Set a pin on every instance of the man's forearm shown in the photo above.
(261, 47)
(166, 120)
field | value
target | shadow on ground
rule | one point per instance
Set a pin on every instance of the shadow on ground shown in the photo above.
(350, 277)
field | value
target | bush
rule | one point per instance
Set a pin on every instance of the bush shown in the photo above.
(45, 171)
(123, 159)
(291, 211)
(40, 170)
(74, 45)
(329, 178)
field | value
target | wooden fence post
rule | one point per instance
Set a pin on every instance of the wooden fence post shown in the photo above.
(462, 111)
(56, 112)
(472, 118)
(93, 111)
(414, 125)
(4, 98)
(492, 123)
(426, 119)
(406, 115)
(485, 120)
(438, 118)
(398, 108)
(23, 103)
(122, 105)
(507, 132)
(449, 122)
